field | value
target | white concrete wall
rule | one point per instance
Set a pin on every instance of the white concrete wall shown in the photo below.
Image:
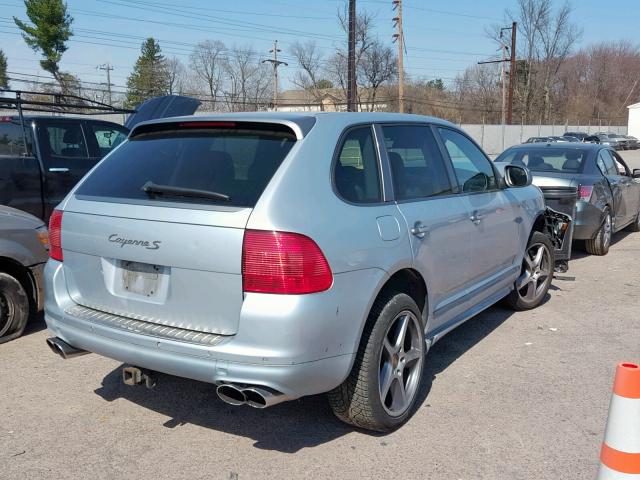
(493, 141)
(634, 120)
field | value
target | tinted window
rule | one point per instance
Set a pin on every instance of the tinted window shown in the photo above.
(107, 137)
(606, 163)
(12, 140)
(473, 169)
(356, 174)
(237, 161)
(62, 144)
(557, 160)
(416, 163)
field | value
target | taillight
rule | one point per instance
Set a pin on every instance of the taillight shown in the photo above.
(585, 192)
(282, 262)
(55, 235)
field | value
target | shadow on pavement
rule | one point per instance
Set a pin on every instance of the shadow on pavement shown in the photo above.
(290, 426)
(578, 251)
(35, 324)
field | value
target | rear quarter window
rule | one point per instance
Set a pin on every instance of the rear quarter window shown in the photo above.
(236, 161)
(12, 139)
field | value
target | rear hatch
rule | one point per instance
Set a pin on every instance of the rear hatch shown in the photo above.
(155, 232)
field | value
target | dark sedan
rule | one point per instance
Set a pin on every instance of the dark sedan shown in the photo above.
(609, 192)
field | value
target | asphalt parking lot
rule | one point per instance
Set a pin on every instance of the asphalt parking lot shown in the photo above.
(507, 395)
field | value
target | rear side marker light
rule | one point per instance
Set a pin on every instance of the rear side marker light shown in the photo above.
(283, 263)
(55, 235)
(585, 192)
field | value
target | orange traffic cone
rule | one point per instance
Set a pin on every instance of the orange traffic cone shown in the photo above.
(620, 455)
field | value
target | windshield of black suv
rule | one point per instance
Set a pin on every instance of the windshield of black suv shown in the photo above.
(554, 160)
(194, 162)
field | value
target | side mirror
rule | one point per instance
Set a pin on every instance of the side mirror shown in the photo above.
(636, 173)
(517, 176)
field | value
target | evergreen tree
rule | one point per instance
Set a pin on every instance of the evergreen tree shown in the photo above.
(4, 81)
(150, 76)
(48, 33)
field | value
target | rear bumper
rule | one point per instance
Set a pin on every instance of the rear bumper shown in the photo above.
(587, 222)
(297, 345)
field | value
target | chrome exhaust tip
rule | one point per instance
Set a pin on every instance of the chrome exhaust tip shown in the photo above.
(231, 395)
(257, 397)
(62, 348)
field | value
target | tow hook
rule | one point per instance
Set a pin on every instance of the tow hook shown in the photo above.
(137, 376)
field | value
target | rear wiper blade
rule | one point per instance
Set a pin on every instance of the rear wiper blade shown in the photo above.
(153, 190)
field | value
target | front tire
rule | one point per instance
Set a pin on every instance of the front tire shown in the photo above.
(381, 390)
(537, 273)
(14, 308)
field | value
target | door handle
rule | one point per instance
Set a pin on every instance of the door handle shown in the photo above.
(58, 169)
(419, 230)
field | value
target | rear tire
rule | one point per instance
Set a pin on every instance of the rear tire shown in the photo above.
(599, 245)
(14, 308)
(381, 390)
(537, 273)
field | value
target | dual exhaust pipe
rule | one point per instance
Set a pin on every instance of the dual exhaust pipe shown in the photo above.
(255, 397)
(62, 348)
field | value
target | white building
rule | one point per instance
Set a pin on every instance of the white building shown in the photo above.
(634, 120)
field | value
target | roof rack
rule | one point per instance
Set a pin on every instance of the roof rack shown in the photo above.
(57, 103)
(61, 103)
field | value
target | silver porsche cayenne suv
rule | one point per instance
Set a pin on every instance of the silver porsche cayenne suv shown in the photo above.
(284, 255)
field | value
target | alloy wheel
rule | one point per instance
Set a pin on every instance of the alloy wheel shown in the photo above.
(401, 358)
(536, 272)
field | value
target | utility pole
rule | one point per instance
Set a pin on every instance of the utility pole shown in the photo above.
(351, 60)
(399, 37)
(276, 63)
(107, 68)
(512, 72)
(503, 83)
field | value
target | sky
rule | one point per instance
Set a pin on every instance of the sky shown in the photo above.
(442, 38)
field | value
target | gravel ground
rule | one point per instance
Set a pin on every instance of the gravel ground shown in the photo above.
(506, 396)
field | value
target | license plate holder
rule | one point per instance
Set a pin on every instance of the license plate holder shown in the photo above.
(140, 278)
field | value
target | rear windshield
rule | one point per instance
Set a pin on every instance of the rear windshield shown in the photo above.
(554, 160)
(233, 160)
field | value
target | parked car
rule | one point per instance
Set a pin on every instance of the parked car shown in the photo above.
(603, 139)
(579, 135)
(42, 159)
(283, 255)
(632, 142)
(609, 198)
(23, 253)
(623, 141)
(537, 140)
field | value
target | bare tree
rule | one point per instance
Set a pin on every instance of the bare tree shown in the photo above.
(248, 80)
(209, 62)
(558, 36)
(176, 73)
(310, 76)
(378, 66)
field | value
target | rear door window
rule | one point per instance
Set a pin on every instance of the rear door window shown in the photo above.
(235, 160)
(356, 174)
(62, 144)
(417, 166)
(107, 137)
(12, 139)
